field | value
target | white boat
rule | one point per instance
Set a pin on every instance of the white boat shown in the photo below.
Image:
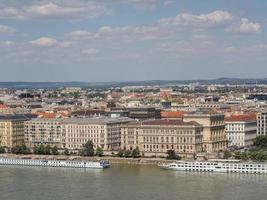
(55, 163)
(218, 165)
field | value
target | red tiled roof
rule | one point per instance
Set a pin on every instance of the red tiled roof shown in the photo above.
(172, 114)
(240, 118)
(46, 115)
(3, 106)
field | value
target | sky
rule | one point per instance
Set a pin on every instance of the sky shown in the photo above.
(131, 40)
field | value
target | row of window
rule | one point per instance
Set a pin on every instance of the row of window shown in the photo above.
(169, 139)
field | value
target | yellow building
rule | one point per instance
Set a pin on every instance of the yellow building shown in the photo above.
(155, 137)
(12, 130)
(102, 131)
(43, 131)
(214, 137)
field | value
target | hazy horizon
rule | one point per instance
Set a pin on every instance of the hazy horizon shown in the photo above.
(131, 40)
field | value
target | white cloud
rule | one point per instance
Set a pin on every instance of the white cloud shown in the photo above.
(7, 43)
(202, 37)
(71, 9)
(90, 51)
(261, 46)
(230, 49)
(212, 19)
(56, 9)
(6, 29)
(65, 44)
(124, 33)
(169, 2)
(137, 32)
(44, 42)
(245, 26)
(141, 4)
(81, 34)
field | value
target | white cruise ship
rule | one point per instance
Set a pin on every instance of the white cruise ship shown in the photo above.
(55, 163)
(218, 165)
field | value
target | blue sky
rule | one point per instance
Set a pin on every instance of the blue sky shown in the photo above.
(120, 40)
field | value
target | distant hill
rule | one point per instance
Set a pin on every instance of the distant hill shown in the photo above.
(231, 81)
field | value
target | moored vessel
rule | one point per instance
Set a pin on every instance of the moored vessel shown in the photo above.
(218, 165)
(55, 163)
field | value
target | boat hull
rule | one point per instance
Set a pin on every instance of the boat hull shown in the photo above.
(55, 163)
(249, 168)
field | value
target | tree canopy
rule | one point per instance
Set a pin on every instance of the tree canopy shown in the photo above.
(88, 149)
(260, 142)
(172, 155)
(20, 149)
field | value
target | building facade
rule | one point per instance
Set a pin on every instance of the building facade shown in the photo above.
(43, 131)
(103, 132)
(241, 130)
(262, 123)
(12, 130)
(156, 137)
(214, 138)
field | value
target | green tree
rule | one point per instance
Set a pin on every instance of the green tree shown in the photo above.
(55, 150)
(172, 155)
(42, 149)
(261, 142)
(227, 154)
(258, 155)
(2, 150)
(20, 149)
(24, 149)
(66, 152)
(47, 150)
(35, 149)
(99, 151)
(136, 153)
(241, 156)
(127, 153)
(120, 153)
(88, 149)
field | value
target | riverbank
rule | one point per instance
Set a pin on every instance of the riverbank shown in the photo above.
(112, 160)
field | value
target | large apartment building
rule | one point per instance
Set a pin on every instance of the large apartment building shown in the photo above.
(214, 138)
(43, 131)
(12, 130)
(103, 132)
(155, 137)
(262, 123)
(241, 129)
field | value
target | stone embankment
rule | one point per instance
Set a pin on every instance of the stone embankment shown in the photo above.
(112, 160)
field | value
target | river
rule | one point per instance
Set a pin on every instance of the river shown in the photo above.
(126, 182)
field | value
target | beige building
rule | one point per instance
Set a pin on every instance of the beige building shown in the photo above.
(103, 132)
(214, 137)
(43, 131)
(12, 130)
(155, 137)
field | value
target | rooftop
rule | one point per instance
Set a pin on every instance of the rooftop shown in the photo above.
(16, 117)
(96, 120)
(164, 122)
(241, 118)
(3, 106)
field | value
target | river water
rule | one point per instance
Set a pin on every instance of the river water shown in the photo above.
(126, 182)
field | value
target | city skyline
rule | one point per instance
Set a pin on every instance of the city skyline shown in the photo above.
(99, 41)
